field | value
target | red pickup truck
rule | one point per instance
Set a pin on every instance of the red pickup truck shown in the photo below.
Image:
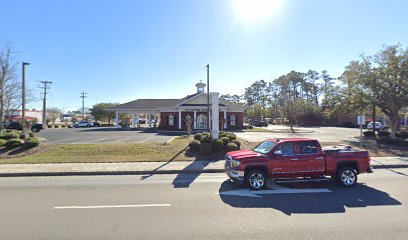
(294, 158)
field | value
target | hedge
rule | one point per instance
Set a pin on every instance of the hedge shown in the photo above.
(206, 139)
(32, 142)
(198, 136)
(231, 147)
(217, 145)
(225, 140)
(13, 143)
(238, 143)
(2, 142)
(369, 134)
(205, 149)
(194, 145)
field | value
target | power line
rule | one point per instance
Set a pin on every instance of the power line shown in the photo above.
(83, 96)
(44, 115)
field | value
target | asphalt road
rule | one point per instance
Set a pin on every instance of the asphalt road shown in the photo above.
(207, 206)
(100, 135)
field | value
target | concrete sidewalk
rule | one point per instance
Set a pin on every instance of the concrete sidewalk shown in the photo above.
(66, 169)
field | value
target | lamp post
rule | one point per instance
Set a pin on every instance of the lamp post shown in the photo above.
(24, 64)
(208, 97)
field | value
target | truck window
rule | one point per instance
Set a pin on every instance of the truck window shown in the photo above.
(265, 147)
(285, 149)
(308, 147)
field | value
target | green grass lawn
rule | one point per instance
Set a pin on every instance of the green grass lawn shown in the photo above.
(120, 152)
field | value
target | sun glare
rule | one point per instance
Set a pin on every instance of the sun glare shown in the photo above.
(253, 10)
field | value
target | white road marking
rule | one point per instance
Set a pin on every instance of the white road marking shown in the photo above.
(63, 140)
(147, 139)
(96, 140)
(120, 140)
(113, 206)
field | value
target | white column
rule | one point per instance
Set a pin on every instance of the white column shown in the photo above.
(117, 119)
(137, 120)
(225, 118)
(215, 115)
(133, 120)
(179, 119)
(150, 120)
(195, 119)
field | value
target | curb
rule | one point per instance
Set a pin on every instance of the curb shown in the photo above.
(101, 173)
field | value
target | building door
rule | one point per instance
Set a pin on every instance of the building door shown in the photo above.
(201, 121)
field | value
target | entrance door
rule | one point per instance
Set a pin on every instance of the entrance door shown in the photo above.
(201, 121)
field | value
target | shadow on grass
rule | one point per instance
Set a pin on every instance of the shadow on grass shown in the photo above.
(336, 201)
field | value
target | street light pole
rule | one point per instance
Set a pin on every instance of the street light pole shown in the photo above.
(24, 64)
(208, 97)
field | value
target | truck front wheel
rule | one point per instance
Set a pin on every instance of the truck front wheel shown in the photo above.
(347, 177)
(255, 179)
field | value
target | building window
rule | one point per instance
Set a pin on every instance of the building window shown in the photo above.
(232, 120)
(201, 121)
(171, 120)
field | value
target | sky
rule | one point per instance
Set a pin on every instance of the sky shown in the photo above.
(123, 50)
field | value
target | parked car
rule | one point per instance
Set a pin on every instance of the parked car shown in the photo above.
(142, 121)
(96, 124)
(295, 158)
(260, 123)
(17, 126)
(378, 125)
(83, 124)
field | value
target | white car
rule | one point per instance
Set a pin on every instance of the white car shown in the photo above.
(378, 125)
(83, 124)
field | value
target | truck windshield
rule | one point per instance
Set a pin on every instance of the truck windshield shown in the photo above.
(265, 147)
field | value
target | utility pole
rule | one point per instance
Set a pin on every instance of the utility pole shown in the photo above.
(24, 64)
(44, 113)
(83, 96)
(208, 97)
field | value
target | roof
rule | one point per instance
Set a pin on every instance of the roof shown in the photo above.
(150, 104)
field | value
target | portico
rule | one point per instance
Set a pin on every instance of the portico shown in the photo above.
(171, 113)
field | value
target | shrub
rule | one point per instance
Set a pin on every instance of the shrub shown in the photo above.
(401, 134)
(2, 142)
(11, 135)
(13, 143)
(206, 139)
(32, 142)
(198, 136)
(231, 136)
(21, 136)
(231, 147)
(386, 140)
(384, 133)
(225, 140)
(222, 134)
(369, 134)
(206, 134)
(205, 149)
(238, 143)
(31, 134)
(217, 145)
(194, 145)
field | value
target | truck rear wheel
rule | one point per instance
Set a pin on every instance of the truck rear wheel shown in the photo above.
(256, 179)
(346, 177)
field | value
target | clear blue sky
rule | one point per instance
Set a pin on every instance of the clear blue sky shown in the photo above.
(118, 51)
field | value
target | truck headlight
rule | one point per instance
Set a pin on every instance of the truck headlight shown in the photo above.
(235, 163)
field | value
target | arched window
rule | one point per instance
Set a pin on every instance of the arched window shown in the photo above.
(171, 120)
(201, 121)
(232, 120)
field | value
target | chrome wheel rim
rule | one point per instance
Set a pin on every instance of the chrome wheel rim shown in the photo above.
(348, 177)
(256, 180)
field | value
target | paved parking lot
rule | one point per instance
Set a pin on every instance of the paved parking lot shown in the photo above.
(323, 134)
(101, 135)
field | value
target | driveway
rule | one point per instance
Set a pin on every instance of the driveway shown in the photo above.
(323, 134)
(101, 135)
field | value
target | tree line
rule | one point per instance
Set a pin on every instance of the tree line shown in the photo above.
(370, 82)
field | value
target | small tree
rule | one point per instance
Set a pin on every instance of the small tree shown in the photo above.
(53, 115)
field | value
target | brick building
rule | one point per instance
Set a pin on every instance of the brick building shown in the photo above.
(170, 113)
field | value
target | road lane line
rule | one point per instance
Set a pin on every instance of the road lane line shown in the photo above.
(113, 206)
(120, 140)
(63, 140)
(96, 140)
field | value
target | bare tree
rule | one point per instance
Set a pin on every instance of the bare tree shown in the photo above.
(54, 114)
(7, 74)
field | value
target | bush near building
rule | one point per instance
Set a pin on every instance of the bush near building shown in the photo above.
(13, 143)
(204, 143)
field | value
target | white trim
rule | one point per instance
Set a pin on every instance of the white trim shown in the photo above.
(190, 99)
(179, 120)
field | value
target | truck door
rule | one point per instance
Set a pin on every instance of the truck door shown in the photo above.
(311, 161)
(283, 161)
